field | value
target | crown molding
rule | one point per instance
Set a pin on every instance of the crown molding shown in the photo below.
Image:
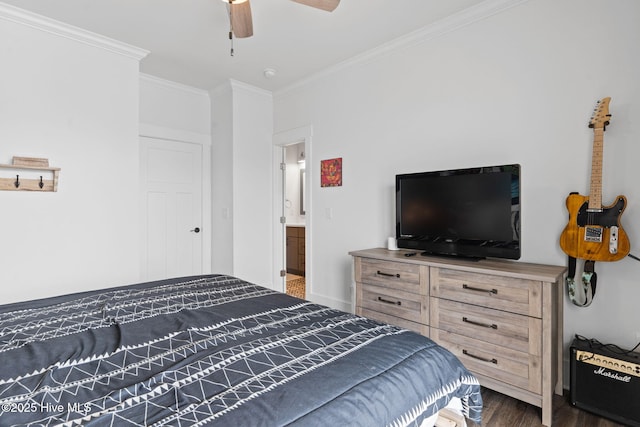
(42, 23)
(446, 25)
(237, 84)
(173, 85)
(231, 85)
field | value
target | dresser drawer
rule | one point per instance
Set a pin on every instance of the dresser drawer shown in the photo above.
(392, 274)
(512, 367)
(392, 320)
(502, 293)
(393, 302)
(513, 331)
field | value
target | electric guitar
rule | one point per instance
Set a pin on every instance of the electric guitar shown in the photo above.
(594, 232)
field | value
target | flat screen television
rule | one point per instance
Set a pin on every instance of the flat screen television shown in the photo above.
(472, 213)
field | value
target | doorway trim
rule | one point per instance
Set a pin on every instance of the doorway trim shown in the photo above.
(298, 135)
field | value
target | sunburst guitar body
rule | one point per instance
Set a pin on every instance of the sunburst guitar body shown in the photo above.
(594, 232)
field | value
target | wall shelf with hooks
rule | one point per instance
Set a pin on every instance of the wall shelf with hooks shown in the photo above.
(29, 166)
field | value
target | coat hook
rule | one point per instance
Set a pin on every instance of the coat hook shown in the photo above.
(17, 183)
(41, 184)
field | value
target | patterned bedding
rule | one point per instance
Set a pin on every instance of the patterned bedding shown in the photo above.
(216, 350)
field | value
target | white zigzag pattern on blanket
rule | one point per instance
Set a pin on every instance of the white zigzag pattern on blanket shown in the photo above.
(326, 340)
(105, 314)
(410, 417)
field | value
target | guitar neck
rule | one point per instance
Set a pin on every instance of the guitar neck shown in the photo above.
(595, 193)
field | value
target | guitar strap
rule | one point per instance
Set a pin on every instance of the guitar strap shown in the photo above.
(582, 295)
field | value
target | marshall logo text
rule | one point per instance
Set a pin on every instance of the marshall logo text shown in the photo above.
(613, 375)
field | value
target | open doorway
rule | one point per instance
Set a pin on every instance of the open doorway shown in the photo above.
(295, 223)
(292, 212)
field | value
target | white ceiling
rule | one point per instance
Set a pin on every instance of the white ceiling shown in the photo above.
(188, 39)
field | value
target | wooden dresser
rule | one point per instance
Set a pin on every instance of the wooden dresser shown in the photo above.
(502, 319)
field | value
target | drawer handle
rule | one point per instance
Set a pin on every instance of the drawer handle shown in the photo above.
(471, 288)
(389, 301)
(484, 325)
(484, 359)
(380, 273)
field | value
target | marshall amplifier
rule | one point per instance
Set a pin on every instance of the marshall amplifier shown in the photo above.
(605, 382)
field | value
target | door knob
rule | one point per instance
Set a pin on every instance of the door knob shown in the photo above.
(195, 230)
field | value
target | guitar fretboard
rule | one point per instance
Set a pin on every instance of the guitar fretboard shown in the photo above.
(595, 192)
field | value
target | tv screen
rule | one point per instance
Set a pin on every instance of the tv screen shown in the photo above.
(471, 212)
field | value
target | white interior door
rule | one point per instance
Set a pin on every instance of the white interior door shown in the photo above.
(171, 185)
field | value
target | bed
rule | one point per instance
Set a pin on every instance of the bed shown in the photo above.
(218, 350)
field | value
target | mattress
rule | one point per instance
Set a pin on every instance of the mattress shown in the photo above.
(216, 350)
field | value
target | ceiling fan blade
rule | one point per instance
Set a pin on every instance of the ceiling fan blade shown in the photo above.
(241, 21)
(328, 5)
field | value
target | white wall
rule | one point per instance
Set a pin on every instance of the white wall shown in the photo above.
(73, 99)
(222, 179)
(252, 198)
(242, 182)
(175, 106)
(518, 86)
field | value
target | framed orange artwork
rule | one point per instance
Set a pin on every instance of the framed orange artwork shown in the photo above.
(331, 172)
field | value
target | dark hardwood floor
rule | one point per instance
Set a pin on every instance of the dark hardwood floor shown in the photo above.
(503, 411)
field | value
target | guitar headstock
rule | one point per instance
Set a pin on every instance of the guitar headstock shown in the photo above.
(601, 116)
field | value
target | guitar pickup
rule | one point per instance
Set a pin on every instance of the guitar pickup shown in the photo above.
(593, 234)
(613, 240)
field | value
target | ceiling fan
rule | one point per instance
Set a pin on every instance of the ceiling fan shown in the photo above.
(240, 14)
